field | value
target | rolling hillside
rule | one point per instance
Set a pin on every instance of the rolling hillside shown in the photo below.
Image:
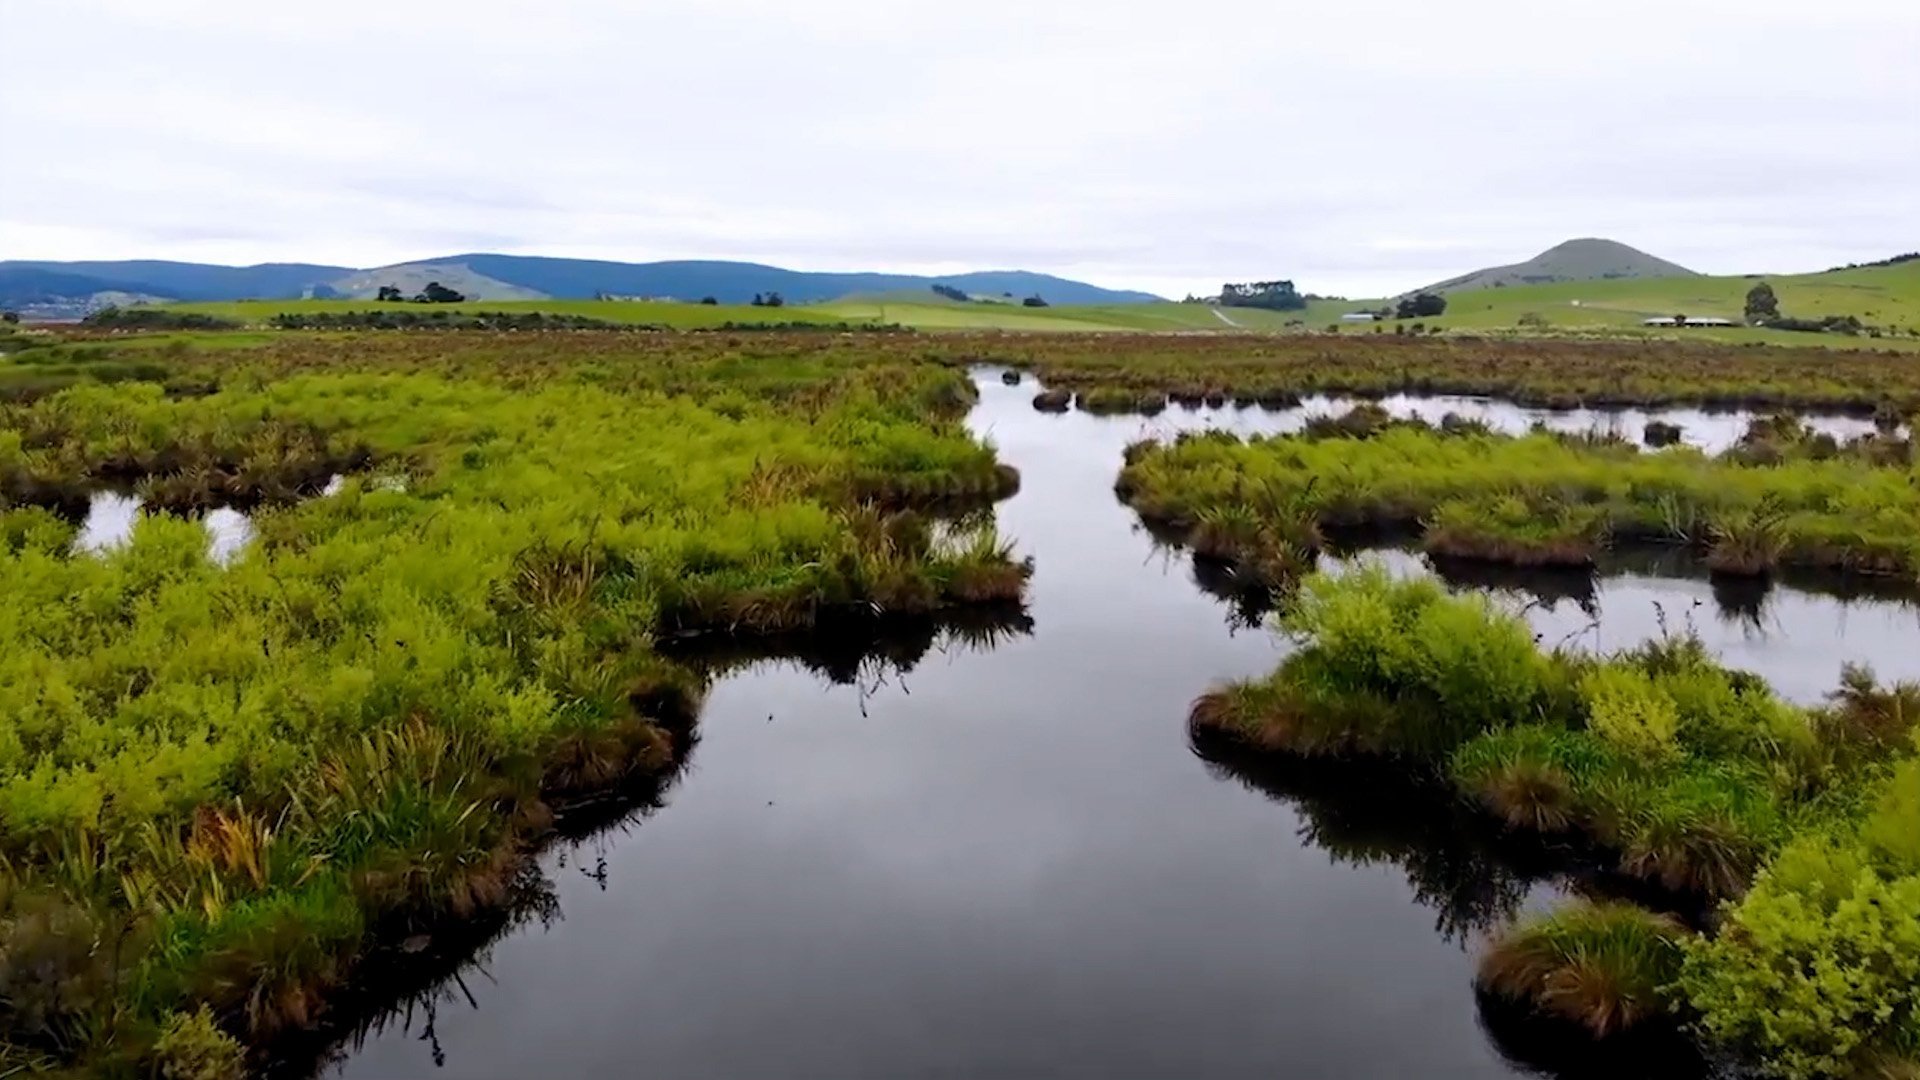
(1586, 259)
(1887, 296)
(931, 313)
(71, 289)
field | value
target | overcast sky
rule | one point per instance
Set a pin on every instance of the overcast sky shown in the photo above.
(1360, 147)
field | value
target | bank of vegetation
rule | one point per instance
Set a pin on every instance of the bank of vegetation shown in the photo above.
(1696, 779)
(1545, 373)
(219, 783)
(1785, 496)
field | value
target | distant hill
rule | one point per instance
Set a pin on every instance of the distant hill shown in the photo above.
(737, 282)
(193, 281)
(24, 285)
(503, 277)
(1586, 259)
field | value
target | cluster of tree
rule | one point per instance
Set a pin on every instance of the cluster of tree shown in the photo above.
(1762, 304)
(434, 293)
(1830, 324)
(151, 318)
(951, 293)
(1894, 261)
(818, 327)
(447, 320)
(1763, 309)
(772, 299)
(1271, 295)
(1036, 300)
(1420, 305)
(11, 318)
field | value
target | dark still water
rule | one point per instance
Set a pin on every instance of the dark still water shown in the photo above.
(1012, 862)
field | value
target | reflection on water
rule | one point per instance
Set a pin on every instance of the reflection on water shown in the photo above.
(111, 516)
(1712, 431)
(1797, 635)
(1009, 859)
(403, 988)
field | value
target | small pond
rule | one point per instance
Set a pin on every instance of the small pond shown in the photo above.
(1013, 861)
(111, 516)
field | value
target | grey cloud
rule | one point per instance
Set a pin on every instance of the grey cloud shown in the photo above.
(1356, 148)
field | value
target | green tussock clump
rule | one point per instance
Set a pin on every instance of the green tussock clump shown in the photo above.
(1694, 778)
(1607, 967)
(216, 781)
(1396, 667)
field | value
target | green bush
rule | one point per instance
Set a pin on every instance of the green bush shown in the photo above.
(1626, 707)
(1817, 969)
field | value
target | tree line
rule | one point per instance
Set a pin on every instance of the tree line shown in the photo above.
(434, 293)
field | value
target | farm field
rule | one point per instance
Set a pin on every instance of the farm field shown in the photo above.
(923, 314)
(1887, 296)
(668, 671)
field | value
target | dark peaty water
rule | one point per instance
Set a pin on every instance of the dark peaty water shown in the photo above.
(1012, 862)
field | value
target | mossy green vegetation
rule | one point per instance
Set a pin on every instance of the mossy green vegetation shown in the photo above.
(1276, 371)
(1693, 777)
(1272, 371)
(1783, 497)
(218, 781)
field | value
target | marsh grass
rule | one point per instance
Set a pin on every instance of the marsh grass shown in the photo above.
(1564, 373)
(1542, 499)
(1690, 777)
(219, 784)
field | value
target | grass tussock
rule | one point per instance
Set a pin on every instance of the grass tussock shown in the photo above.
(1604, 966)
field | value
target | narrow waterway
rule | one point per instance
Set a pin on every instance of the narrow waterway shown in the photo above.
(1010, 861)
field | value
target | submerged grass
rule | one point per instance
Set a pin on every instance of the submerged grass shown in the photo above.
(216, 781)
(1697, 778)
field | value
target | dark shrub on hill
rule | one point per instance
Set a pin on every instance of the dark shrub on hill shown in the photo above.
(403, 319)
(143, 318)
(1272, 295)
(1831, 324)
(1420, 305)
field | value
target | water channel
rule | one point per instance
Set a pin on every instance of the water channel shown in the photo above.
(1013, 862)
